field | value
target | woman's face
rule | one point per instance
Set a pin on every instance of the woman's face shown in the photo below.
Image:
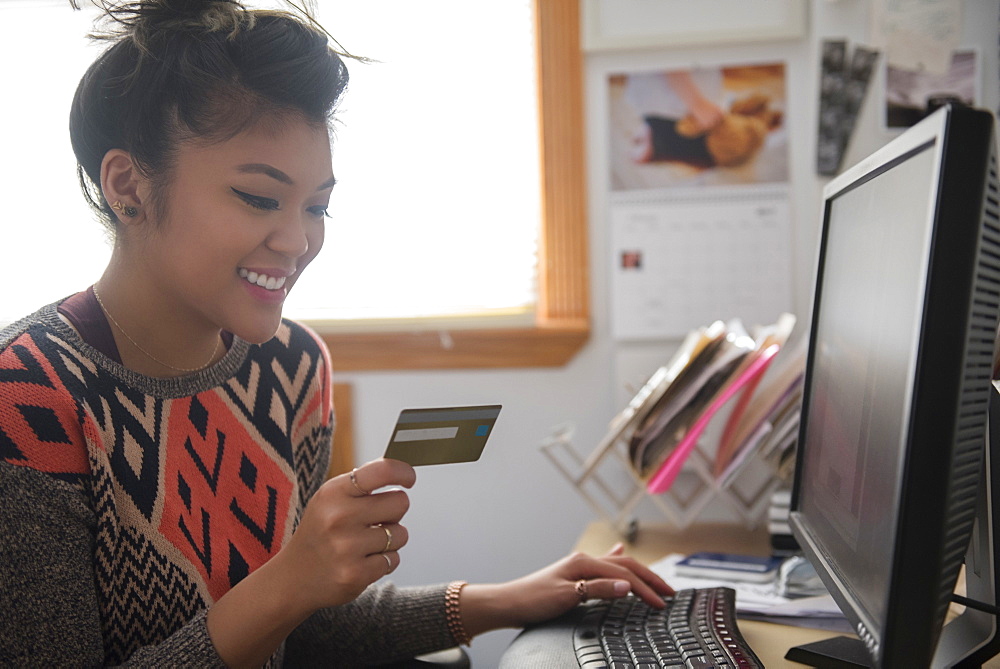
(243, 219)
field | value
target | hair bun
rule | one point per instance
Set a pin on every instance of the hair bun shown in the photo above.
(143, 19)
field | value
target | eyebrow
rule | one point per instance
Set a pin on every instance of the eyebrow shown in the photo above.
(278, 175)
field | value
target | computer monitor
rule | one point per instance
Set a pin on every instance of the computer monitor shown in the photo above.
(894, 474)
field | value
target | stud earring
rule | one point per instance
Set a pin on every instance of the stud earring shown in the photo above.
(127, 210)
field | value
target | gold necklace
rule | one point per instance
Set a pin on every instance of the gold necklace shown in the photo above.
(147, 353)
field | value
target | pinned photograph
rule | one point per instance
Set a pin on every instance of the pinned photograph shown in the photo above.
(693, 127)
(910, 94)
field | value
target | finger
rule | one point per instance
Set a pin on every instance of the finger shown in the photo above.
(647, 594)
(376, 474)
(381, 508)
(607, 588)
(645, 573)
(613, 587)
(617, 549)
(643, 582)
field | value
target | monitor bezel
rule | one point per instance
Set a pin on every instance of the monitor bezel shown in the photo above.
(908, 634)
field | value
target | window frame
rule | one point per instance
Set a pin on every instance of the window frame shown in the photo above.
(562, 315)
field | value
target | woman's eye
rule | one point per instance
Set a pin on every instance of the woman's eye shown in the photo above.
(257, 201)
(320, 210)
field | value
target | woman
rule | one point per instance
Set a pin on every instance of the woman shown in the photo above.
(164, 434)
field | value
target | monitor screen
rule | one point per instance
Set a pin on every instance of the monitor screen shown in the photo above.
(862, 372)
(896, 397)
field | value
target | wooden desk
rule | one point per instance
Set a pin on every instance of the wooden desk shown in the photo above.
(769, 641)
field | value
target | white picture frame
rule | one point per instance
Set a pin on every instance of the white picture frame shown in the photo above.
(647, 24)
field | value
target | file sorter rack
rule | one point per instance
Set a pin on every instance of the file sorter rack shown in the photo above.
(605, 478)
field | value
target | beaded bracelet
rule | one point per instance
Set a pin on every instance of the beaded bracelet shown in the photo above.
(453, 613)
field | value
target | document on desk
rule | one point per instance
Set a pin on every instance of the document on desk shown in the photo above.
(762, 601)
(680, 261)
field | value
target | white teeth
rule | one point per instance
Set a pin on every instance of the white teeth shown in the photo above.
(263, 280)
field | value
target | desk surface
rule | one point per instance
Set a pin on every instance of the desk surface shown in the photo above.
(769, 641)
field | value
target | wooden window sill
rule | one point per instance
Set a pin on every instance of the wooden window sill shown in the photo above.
(551, 345)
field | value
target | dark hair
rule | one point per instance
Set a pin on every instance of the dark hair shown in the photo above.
(196, 69)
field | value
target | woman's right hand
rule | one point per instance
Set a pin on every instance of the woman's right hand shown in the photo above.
(339, 549)
(342, 544)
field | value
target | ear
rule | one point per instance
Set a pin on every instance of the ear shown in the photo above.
(122, 182)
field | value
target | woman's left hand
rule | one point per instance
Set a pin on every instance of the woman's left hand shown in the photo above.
(559, 587)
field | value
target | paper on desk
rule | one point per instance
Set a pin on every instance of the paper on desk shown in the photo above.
(841, 624)
(816, 607)
(759, 600)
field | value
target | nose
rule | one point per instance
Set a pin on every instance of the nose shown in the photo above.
(291, 236)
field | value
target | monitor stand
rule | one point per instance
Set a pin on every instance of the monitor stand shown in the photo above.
(973, 637)
(839, 652)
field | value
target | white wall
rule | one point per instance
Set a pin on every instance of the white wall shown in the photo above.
(512, 511)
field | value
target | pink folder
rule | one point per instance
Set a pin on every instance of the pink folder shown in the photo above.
(664, 477)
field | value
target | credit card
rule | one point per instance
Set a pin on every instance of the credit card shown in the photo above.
(442, 435)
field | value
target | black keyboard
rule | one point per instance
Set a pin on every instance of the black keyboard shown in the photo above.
(697, 629)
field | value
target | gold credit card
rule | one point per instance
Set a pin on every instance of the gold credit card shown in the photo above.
(442, 435)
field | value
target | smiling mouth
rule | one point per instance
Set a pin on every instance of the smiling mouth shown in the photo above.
(263, 280)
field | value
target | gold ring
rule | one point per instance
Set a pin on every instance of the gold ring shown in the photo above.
(354, 480)
(388, 539)
(581, 589)
(388, 563)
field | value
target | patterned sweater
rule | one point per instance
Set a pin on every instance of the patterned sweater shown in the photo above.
(130, 504)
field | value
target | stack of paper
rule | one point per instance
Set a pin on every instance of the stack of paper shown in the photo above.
(763, 601)
(713, 365)
(782, 540)
(714, 354)
(766, 424)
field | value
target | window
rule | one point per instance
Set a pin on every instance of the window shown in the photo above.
(562, 316)
(436, 211)
(556, 324)
(51, 241)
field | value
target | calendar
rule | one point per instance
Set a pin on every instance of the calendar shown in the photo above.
(680, 263)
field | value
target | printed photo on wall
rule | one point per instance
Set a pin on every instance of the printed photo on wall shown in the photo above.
(910, 93)
(698, 127)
